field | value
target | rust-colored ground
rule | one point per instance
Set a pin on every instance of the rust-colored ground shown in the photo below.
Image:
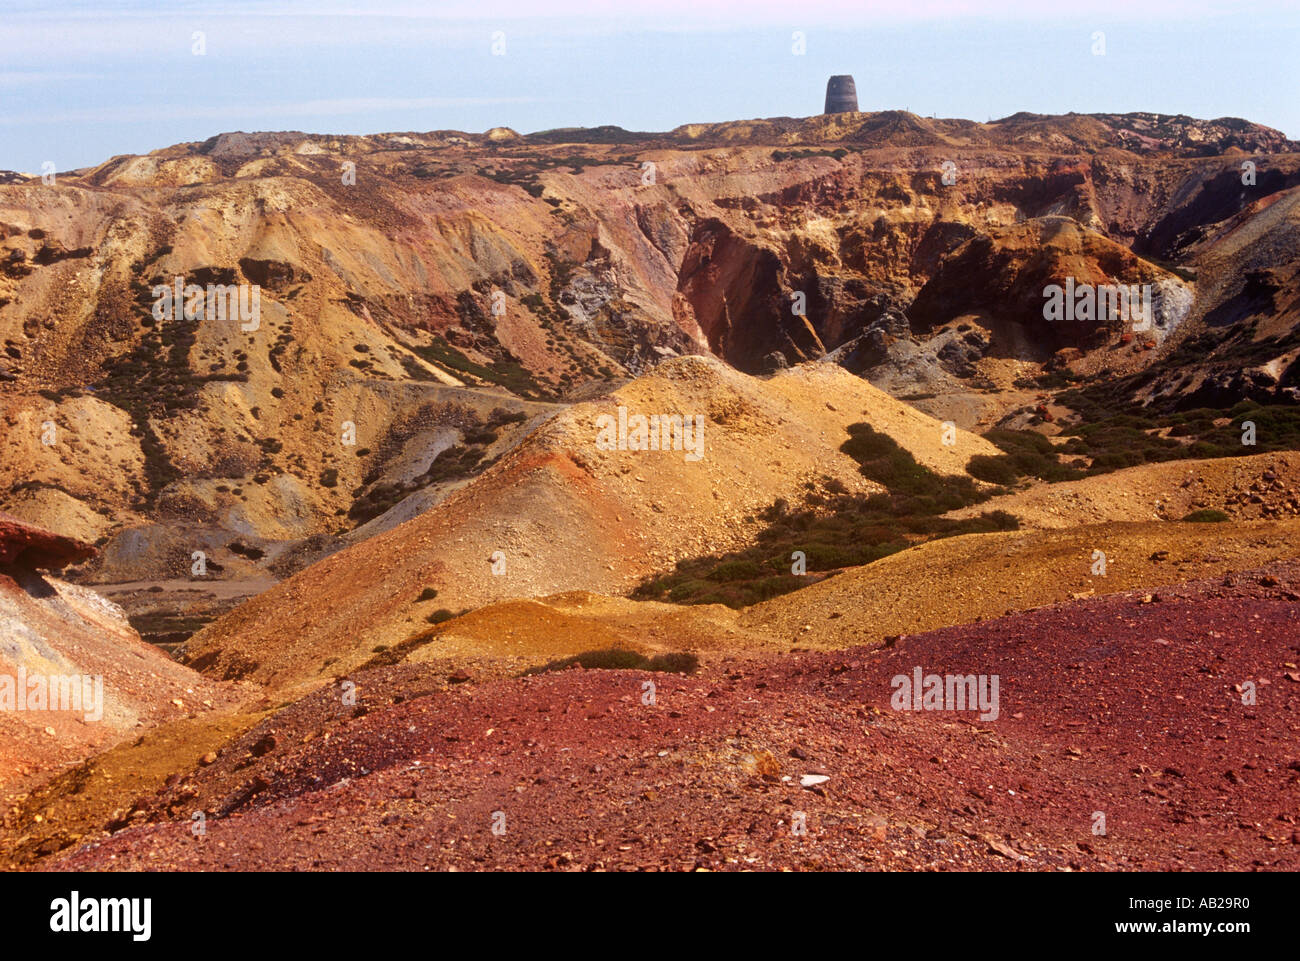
(1129, 705)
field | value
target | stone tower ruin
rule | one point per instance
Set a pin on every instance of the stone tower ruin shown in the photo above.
(841, 94)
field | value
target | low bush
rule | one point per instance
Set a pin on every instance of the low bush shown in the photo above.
(834, 529)
(616, 659)
(1206, 515)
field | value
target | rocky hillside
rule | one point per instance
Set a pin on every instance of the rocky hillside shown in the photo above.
(462, 443)
(429, 299)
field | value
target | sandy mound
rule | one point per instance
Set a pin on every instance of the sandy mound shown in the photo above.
(54, 509)
(520, 633)
(559, 513)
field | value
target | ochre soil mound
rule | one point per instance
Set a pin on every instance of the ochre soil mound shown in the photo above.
(963, 579)
(1262, 485)
(560, 514)
(1118, 706)
(526, 631)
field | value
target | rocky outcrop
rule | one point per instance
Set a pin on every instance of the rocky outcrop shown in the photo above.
(28, 546)
(737, 292)
(1007, 272)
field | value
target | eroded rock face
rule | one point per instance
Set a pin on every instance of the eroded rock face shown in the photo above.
(736, 291)
(468, 272)
(1006, 272)
(28, 546)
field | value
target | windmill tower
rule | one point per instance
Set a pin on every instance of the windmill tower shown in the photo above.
(841, 94)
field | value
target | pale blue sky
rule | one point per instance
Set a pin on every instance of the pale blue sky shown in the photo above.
(81, 81)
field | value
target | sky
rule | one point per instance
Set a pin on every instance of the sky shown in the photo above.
(83, 81)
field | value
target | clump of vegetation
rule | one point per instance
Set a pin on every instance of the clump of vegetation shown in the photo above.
(1124, 440)
(453, 463)
(913, 488)
(839, 153)
(252, 553)
(834, 529)
(427, 594)
(1027, 454)
(456, 461)
(507, 372)
(524, 173)
(1126, 435)
(561, 274)
(440, 615)
(500, 417)
(1206, 515)
(155, 379)
(616, 659)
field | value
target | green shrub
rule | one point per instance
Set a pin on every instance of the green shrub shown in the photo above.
(833, 530)
(1114, 432)
(454, 462)
(881, 459)
(617, 659)
(1206, 515)
(736, 571)
(1027, 453)
(993, 470)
